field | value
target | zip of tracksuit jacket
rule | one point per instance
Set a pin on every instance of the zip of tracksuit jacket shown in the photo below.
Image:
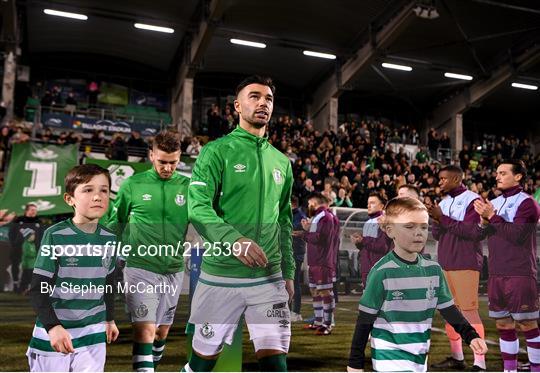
(241, 187)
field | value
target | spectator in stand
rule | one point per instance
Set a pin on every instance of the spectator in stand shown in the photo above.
(408, 190)
(445, 141)
(343, 199)
(98, 138)
(118, 148)
(317, 178)
(71, 103)
(329, 193)
(433, 143)
(93, 91)
(194, 147)
(47, 99)
(422, 156)
(214, 122)
(136, 141)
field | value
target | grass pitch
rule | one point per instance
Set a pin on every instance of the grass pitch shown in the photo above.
(307, 353)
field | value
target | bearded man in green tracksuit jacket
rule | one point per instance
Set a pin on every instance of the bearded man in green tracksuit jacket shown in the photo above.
(239, 201)
(152, 205)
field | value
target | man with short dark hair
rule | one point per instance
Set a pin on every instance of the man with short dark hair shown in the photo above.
(321, 233)
(240, 202)
(153, 206)
(510, 222)
(455, 227)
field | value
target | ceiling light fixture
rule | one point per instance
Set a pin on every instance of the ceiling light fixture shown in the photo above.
(458, 76)
(328, 56)
(59, 13)
(525, 86)
(426, 9)
(248, 43)
(396, 67)
(144, 26)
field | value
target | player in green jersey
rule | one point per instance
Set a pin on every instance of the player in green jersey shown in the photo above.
(154, 205)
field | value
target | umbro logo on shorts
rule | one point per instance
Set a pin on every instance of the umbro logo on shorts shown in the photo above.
(146, 197)
(239, 167)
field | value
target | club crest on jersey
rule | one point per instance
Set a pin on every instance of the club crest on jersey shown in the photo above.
(106, 262)
(430, 293)
(141, 311)
(180, 200)
(239, 167)
(278, 176)
(146, 197)
(207, 331)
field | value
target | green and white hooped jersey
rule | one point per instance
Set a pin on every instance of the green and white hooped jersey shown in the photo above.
(77, 295)
(404, 297)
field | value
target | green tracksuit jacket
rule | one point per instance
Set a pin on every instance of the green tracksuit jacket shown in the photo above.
(241, 187)
(156, 210)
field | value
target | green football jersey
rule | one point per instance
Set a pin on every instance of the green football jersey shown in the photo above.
(79, 273)
(155, 212)
(404, 297)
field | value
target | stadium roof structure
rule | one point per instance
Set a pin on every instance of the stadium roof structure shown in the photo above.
(494, 41)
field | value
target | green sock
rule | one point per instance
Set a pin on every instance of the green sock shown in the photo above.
(157, 351)
(198, 364)
(142, 357)
(274, 363)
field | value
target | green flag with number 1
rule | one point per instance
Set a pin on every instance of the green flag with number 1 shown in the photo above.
(36, 175)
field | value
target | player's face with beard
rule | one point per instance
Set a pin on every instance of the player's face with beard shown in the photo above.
(312, 207)
(255, 104)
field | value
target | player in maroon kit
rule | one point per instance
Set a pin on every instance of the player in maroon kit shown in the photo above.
(510, 221)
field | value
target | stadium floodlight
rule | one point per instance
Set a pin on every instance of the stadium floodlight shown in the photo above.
(59, 13)
(525, 86)
(328, 56)
(458, 76)
(144, 26)
(248, 43)
(396, 67)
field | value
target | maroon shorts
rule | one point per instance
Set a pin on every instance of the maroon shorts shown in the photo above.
(321, 278)
(513, 296)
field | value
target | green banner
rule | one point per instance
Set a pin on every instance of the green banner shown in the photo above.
(119, 170)
(36, 174)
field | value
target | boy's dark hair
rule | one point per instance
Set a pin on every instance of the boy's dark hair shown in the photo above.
(294, 200)
(256, 79)
(411, 187)
(321, 198)
(379, 196)
(518, 167)
(167, 141)
(82, 174)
